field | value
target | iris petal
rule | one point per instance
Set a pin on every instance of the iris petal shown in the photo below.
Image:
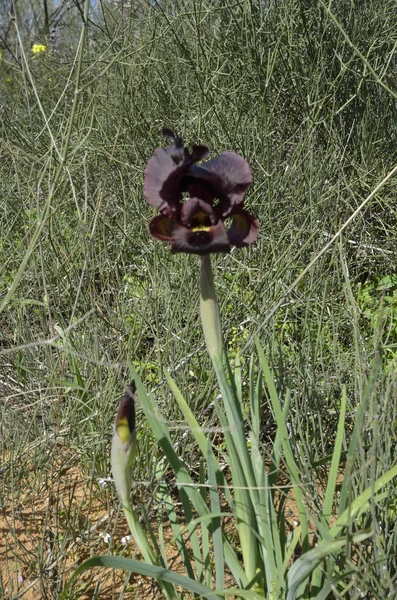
(244, 228)
(227, 177)
(162, 181)
(198, 153)
(164, 172)
(195, 206)
(161, 228)
(200, 241)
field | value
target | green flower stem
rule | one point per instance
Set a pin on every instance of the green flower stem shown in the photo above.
(210, 317)
(138, 533)
(142, 542)
(211, 323)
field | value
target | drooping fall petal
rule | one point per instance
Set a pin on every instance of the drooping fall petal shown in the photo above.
(161, 228)
(244, 228)
(200, 241)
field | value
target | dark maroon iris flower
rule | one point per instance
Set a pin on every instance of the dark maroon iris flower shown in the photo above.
(201, 205)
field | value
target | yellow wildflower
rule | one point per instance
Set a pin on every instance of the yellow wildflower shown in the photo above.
(38, 48)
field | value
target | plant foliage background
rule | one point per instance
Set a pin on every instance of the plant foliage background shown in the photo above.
(306, 92)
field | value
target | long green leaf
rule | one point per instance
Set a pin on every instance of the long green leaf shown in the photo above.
(216, 525)
(255, 398)
(205, 538)
(243, 508)
(355, 437)
(333, 471)
(187, 487)
(289, 458)
(191, 420)
(187, 492)
(270, 549)
(141, 568)
(331, 485)
(246, 494)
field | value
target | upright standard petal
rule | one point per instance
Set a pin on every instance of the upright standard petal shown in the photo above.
(164, 173)
(162, 182)
(227, 177)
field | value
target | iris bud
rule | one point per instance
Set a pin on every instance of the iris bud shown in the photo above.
(124, 445)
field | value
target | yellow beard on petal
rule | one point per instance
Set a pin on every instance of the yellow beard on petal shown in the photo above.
(200, 228)
(200, 222)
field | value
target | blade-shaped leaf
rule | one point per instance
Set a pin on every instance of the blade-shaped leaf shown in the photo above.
(141, 568)
(305, 565)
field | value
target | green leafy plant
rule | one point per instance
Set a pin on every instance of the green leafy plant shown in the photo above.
(377, 300)
(248, 496)
(297, 88)
(273, 564)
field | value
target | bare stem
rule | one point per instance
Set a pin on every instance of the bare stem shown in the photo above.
(210, 317)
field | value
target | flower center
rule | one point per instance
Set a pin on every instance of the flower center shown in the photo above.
(199, 238)
(200, 222)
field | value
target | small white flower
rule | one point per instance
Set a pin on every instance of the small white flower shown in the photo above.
(105, 537)
(103, 481)
(125, 539)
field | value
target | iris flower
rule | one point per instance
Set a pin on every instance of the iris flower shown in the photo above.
(201, 205)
